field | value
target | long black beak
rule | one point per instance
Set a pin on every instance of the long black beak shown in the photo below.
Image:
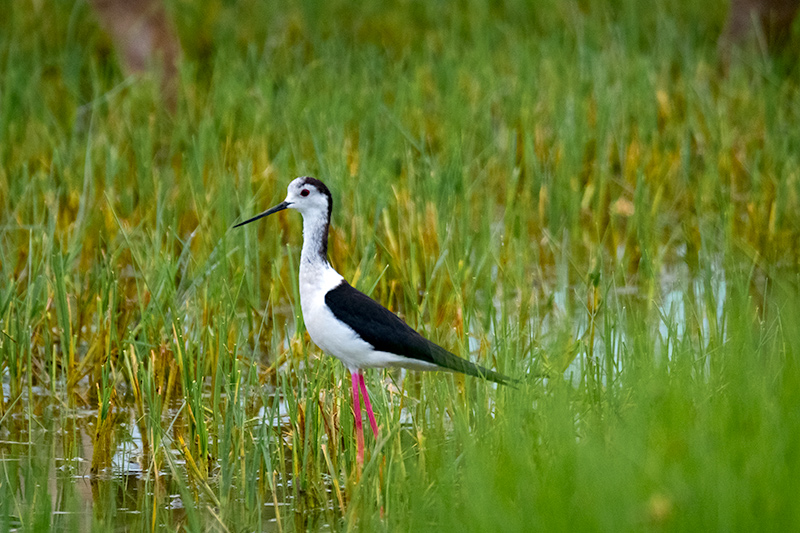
(280, 207)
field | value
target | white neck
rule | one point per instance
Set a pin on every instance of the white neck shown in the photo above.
(315, 240)
(317, 276)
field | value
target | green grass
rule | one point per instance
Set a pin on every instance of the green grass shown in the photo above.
(563, 188)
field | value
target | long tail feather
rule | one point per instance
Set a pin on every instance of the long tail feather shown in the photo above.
(451, 361)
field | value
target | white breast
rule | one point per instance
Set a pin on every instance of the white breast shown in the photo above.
(333, 336)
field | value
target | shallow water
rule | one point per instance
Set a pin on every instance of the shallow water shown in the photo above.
(46, 445)
(46, 462)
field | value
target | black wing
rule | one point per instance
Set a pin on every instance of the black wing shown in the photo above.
(386, 332)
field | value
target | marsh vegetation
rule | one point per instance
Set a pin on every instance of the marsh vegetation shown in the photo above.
(570, 192)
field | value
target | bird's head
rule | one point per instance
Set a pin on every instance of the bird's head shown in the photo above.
(305, 194)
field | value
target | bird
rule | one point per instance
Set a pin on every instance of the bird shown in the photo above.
(346, 323)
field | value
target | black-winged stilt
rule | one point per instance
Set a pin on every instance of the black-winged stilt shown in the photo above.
(347, 323)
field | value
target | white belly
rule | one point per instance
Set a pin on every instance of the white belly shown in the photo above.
(333, 336)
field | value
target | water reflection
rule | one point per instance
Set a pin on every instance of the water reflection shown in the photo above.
(46, 480)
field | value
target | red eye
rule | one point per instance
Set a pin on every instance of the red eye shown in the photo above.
(304, 192)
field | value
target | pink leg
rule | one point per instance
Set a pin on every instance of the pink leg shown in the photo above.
(357, 414)
(367, 404)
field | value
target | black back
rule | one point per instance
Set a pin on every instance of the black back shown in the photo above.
(386, 332)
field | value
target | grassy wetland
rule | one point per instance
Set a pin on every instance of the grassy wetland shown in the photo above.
(571, 193)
